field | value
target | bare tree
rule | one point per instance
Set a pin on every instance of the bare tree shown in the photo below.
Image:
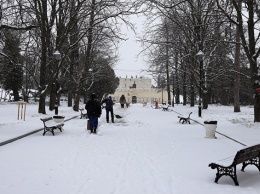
(249, 33)
(193, 26)
(102, 13)
(237, 67)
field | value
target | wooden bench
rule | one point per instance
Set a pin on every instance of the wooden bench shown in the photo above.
(50, 125)
(246, 156)
(83, 115)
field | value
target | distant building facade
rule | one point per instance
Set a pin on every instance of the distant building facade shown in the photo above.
(139, 90)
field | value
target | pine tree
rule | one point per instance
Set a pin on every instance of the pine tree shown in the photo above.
(12, 69)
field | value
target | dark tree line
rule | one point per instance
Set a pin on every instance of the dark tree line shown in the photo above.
(87, 33)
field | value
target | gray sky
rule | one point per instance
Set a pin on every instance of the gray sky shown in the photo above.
(130, 64)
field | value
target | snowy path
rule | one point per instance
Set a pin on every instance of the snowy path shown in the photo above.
(145, 152)
(124, 156)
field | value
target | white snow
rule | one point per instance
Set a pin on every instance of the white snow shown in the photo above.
(146, 152)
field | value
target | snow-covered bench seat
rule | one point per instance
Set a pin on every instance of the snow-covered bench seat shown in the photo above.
(227, 166)
(50, 125)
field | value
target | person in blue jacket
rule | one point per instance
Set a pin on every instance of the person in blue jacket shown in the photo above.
(109, 108)
(94, 111)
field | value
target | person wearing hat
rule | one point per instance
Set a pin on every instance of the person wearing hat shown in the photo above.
(109, 108)
(94, 111)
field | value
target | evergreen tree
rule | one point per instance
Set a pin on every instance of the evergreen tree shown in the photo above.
(12, 69)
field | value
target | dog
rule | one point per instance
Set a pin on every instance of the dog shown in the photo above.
(185, 119)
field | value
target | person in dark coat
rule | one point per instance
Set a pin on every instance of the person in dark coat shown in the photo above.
(109, 108)
(122, 101)
(94, 111)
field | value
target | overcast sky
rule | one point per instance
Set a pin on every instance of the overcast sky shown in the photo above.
(130, 64)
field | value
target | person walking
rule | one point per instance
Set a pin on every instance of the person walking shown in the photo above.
(122, 101)
(94, 111)
(109, 108)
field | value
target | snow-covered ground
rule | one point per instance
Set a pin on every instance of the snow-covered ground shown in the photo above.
(146, 152)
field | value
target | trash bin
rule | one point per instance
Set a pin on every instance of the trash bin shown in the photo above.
(210, 128)
(58, 119)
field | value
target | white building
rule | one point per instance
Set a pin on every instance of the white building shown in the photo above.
(139, 90)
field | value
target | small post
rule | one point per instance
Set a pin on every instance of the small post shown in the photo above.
(56, 108)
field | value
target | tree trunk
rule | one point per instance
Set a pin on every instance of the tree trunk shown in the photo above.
(52, 97)
(88, 58)
(192, 96)
(70, 98)
(41, 108)
(173, 92)
(16, 94)
(167, 67)
(249, 46)
(184, 88)
(205, 100)
(237, 68)
(205, 95)
(177, 100)
(71, 82)
(257, 108)
(74, 56)
(45, 44)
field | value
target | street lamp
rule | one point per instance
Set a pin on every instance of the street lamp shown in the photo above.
(200, 57)
(162, 94)
(161, 79)
(90, 70)
(173, 93)
(57, 55)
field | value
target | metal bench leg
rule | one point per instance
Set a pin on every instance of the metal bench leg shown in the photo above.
(231, 171)
(60, 128)
(255, 161)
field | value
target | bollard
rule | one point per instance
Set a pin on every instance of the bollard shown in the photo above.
(56, 110)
